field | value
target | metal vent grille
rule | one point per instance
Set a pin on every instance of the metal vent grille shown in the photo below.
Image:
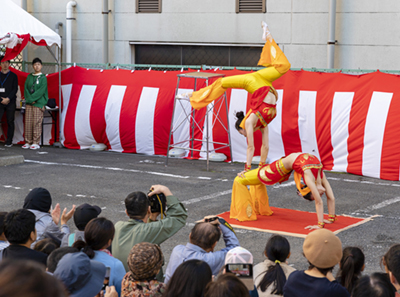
(250, 6)
(150, 6)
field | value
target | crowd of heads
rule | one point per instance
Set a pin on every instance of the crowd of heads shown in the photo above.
(75, 271)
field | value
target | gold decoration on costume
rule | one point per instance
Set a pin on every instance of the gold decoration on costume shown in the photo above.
(269, 170)
(262, 174)
(249, 210)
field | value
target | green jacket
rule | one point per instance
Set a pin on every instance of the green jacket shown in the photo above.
(40, 96)
(129, 233)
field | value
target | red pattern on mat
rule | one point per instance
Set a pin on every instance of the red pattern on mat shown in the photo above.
(291, 222)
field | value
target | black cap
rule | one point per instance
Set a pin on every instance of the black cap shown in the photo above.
(38, 199)
(84, 213)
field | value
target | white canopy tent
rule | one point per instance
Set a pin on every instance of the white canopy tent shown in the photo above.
(18, 27)
(16, 20)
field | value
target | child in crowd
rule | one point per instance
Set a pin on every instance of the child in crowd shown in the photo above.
(82, 216)
(46, 245)
(376, 285)
(144, 261)
(270, 276)
(226, 285)
(189, 279)
(350, 267)
(391, 261)
(323, 250)
(99, 234)
(3, 241)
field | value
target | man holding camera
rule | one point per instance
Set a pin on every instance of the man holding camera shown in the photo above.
(143, 226)
(202, 241)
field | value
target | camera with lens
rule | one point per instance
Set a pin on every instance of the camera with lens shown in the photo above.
(158, 203)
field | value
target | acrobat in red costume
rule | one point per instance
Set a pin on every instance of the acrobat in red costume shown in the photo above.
(245, 205)
(263, 100)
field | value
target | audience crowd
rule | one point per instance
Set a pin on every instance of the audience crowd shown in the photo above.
(39, 256)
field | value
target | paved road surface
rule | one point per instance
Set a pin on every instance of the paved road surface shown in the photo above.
(105, 179)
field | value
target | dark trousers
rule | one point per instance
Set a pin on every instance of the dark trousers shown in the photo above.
(10, 113)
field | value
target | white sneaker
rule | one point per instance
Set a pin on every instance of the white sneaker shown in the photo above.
(8, 145)
(184, 96)
(266, 34)
(26, 146)
(35, 146)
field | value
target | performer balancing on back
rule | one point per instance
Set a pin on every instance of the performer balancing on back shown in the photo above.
(305, 166)
(263, 99)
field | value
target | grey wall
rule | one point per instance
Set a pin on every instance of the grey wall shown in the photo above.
(366, 30)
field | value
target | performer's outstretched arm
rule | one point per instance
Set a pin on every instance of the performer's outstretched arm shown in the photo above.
(265, 145)
(329, 197)
(319, 206)
(249, 126)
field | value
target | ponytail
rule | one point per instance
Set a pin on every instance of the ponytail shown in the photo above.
(277, 250)
(84, 247)
(351, 265)
(240, 116)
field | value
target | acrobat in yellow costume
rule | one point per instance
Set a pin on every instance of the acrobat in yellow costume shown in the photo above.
(245, 204)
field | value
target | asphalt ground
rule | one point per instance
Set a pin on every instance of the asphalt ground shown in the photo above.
(105, 179)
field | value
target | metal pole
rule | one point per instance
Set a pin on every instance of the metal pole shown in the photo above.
(331, 37)
(105, 31)
(172, 122)
(229, 129)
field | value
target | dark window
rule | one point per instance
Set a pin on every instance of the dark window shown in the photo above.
(197, 55)
(250, 6)
(150, 6)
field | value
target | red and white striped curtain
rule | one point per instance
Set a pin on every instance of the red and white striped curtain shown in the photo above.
(351, 122)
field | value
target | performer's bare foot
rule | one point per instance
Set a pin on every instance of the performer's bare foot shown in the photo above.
(266, 33)
(184, 96)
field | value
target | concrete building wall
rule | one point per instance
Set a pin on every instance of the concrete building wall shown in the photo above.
(366, 30)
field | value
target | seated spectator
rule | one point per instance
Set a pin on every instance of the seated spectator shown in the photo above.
(38, 201)
(202, 240)
(81, 276)
(323, 250)
(144, 261)
(226, 285)
(99, 234)
(3, 240)
(143, 226)
(28, 279)
(391, 260)
(56, 255)
(46, 245)
(376, 285)
(239, 261)
(82, 216)
(189, 279)
(350, 267)
(19, 229)
(270, 276)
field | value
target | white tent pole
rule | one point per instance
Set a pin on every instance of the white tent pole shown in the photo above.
(69, 20)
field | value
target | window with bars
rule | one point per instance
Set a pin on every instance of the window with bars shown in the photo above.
(148, 6)
(251, 6)
(240, 56)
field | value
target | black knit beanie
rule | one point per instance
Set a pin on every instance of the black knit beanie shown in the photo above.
(38, 199)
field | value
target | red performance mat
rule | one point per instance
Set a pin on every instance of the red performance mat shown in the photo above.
(292, 222)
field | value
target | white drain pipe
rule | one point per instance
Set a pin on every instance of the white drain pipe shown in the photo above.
(68, 31)
(331, 36)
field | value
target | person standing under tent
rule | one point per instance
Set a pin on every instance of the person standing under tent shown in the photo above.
(36, 98)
